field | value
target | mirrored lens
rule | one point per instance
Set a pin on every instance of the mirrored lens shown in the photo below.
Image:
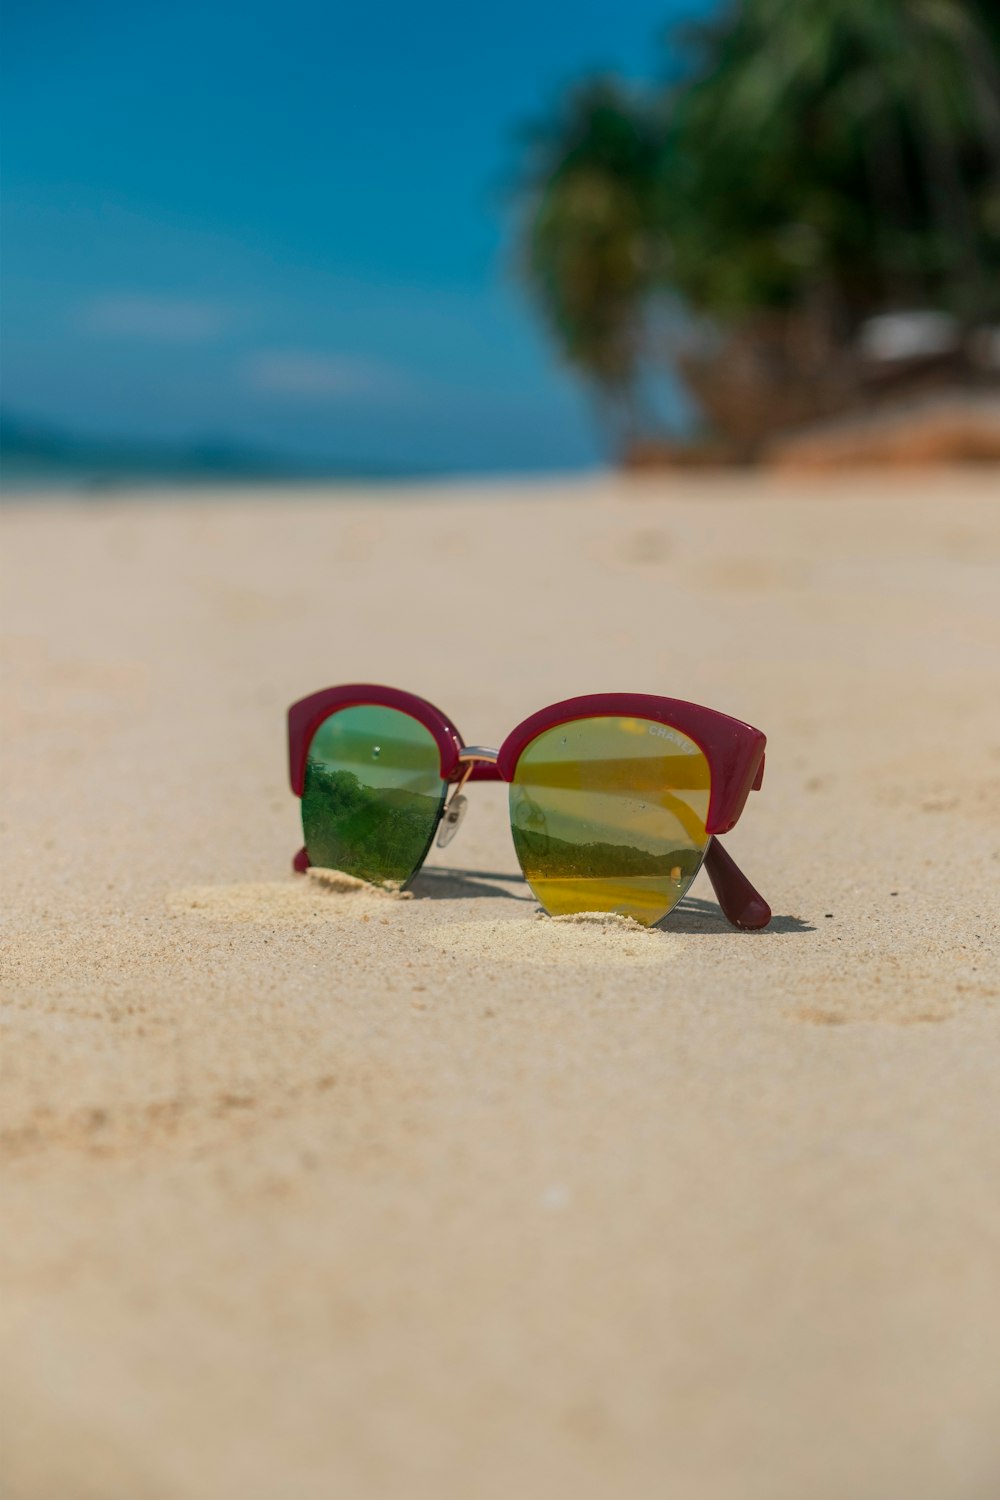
(373, 794)
(608, 815)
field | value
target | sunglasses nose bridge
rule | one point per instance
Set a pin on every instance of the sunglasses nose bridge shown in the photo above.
(469, 754)
(470, 758)
(478, 763)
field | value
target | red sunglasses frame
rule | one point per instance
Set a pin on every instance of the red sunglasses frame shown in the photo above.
(734, 751)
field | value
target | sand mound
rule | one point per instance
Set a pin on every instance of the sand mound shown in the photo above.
(342, 884)
(278, 901)
(557, 941)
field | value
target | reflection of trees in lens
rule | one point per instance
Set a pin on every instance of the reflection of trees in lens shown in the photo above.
(529, 826)
(376, 834)
(564, 860)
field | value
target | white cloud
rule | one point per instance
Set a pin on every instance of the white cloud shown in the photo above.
(154, 319)
(299, 373)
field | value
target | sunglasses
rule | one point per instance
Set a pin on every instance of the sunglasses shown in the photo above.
(616, 799)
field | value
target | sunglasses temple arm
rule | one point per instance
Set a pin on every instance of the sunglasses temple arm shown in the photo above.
(741, 904)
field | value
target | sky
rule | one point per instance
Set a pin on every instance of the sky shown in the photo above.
(291, 225)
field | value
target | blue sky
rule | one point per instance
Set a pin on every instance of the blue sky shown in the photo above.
(290, 223)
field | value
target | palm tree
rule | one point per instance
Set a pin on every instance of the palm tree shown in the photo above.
(592, 237)
(818, 162)
(849, 145)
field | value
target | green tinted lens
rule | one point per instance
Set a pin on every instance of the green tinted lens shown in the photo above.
(373, 794)
(609, 815)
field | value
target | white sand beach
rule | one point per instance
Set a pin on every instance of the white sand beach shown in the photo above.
(317, 1194)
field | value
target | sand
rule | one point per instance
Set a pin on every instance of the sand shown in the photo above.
(312, 1193)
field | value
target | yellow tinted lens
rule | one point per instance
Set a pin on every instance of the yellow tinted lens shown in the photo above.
(609, 815)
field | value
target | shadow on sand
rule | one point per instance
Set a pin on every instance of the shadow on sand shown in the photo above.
(439, 883)
(692, 915)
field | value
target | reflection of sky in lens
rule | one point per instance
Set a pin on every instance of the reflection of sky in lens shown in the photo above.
(638, 818)
(385, 749)
(613, 820)
(288, 224)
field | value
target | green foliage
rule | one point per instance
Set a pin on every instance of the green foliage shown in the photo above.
(373, 833)
(591, 241)
(848, 149)
(830, 156)
(550, 858)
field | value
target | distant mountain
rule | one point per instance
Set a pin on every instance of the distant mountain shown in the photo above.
(33, 454)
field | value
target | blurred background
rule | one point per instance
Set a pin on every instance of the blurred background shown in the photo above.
(259, 240)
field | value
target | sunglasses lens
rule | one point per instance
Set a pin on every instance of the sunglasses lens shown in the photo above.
(609, 815)
(373, 794)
